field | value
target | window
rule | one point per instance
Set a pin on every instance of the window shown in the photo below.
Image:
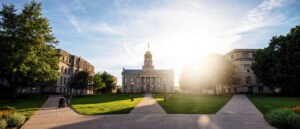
(131, 79)
(253, 55)
(245, 55)
(66, 70)
(158, 80)
(69, 72)
(137, 79)
(248, 80)
(247, 68)
(62, 69)
(125, 80)
(232, 56)
(63, 58)
(65, 80)
(61, 80)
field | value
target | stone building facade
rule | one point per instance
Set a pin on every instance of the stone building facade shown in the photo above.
(68, 65)
(147, 79)
(248, 82)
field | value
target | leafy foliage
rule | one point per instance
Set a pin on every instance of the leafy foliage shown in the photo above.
(98, 82)
(15, 119)
(5, 110)
(3, 123)
(80, 80)
(109, 82)
(283, 119)
(278, 65)
(28, 54)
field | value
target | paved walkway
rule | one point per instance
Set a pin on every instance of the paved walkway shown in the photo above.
(148, 105)
(238, 113)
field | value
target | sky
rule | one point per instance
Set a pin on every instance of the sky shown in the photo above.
(113, 34)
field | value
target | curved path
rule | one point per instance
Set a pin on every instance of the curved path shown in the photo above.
(238, 113)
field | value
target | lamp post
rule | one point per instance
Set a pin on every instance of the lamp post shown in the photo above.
(132, 83)
(164, 89)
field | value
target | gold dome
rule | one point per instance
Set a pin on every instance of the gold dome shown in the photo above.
(148, 52)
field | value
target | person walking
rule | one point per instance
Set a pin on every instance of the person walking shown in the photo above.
(69, 96)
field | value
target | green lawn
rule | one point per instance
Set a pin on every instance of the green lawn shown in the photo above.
(105, 104)
(26, 105)
(268, 103)
(192, 104)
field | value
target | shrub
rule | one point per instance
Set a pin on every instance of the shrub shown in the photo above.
(3, 124)
(5, 110)
(15, 119)
(283, 119)
(293, 108)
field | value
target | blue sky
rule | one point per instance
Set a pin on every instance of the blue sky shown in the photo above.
(112, 34)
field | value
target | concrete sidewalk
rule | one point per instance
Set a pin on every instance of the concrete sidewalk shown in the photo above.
(148, 105)
(238, 113)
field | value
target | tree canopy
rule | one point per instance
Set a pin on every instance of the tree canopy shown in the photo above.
(98, 82)
(80, 80)
(27, 47)
(278, 65)
(107, 79)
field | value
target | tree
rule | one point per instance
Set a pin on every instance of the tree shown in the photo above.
(80, 80)
(27, 47)
(278, 65)
(98, 82)
(110, 84)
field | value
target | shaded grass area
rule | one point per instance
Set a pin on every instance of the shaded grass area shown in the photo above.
(268, 103)
(26, 105)
(192, 104)
(105, 103)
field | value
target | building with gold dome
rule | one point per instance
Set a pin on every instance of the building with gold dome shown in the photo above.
(148, 79)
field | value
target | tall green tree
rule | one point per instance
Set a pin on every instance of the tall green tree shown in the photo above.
(98, 82)
(278, 65)
(27, 47)
(80, 80)
(110, 84)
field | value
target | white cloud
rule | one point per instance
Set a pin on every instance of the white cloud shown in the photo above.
(75, 23)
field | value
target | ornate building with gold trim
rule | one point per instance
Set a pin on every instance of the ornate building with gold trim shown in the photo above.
(148, 79)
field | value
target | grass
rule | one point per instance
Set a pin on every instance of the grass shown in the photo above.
(105, 104)
(26, 105)
(192, 104)
(268, 103)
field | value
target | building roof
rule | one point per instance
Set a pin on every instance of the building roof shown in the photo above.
(139, 71)
(241, 50)
(132, 71)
